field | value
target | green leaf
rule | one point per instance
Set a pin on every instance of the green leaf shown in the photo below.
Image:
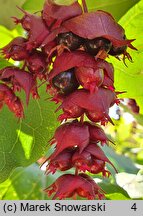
(4, 63)
(26, 184)
(130, 78)
(115, 7)
(116, 196)
(63, 2)
(139, 158)
(33, 6)
(110, 188)
(132, 22)
(22, 143)
(121, 162)
(6, 35)
(8, 10)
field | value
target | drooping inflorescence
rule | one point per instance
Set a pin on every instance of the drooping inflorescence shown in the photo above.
(75, 43)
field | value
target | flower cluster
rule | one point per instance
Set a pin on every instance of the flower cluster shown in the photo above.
(75, 44)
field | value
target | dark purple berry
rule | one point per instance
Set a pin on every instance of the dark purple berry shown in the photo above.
(115, 51)
(65, 82)
(95, 45)
(70, 40)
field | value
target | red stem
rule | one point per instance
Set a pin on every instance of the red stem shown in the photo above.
(24, 65)
(82, 118)
(84, 6)
(74, 196)
(76, 171)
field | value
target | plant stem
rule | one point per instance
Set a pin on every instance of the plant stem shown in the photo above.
(82, 118)
(74, 196)
(84, 6)
(76, 171)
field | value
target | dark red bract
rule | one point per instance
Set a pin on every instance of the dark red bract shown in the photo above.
(90, 73)
(90, 78)
(16, 49)
(69, 185)
(97, 134)
(91, 26)
(31, 23)
(22, 78)
(98, 24)
(97, 104)
(11, 100)
(37, 64)
(54, 15)
(70, 135)
(63, 161)
(76, 59)
(87, 162)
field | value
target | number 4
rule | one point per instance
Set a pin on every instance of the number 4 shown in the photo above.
(134, 207)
